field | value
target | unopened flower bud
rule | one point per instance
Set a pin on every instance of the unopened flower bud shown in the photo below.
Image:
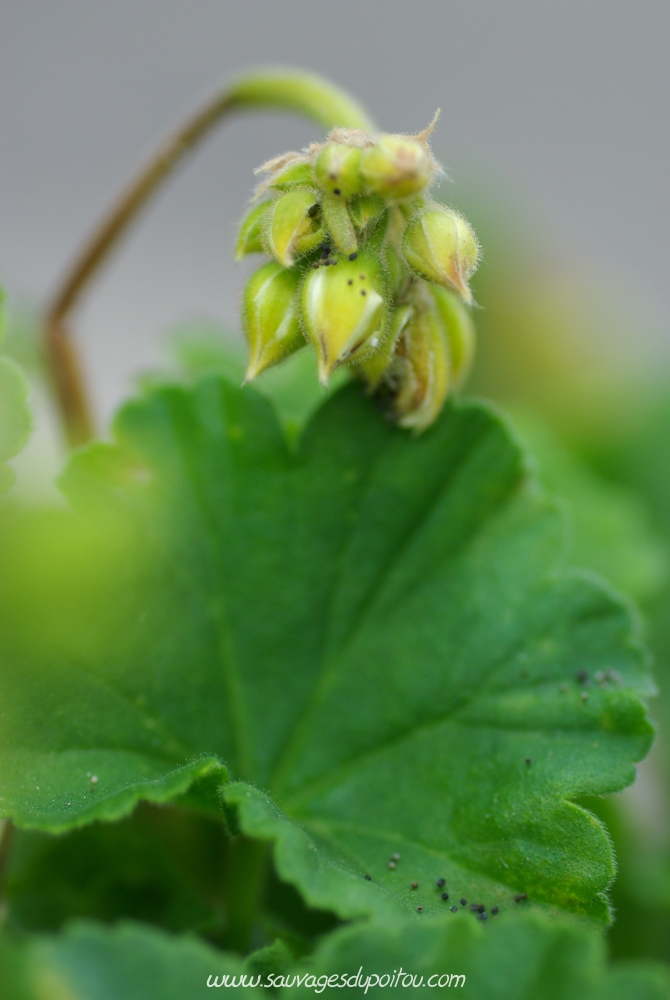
(396, 166)
(344, 311)
(337, 170)
(293, 226)
(374, 366)
(459, 330)
(298, 173)
(251, 230)
(338, 223)
(269, 317)
(440, 246)
(419, 376)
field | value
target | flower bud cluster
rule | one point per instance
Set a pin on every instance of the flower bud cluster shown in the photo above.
(366, 267)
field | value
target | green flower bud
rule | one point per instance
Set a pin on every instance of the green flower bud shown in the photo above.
(251, 230)
(344, 311)
(337, 170)
(396, 166)
(339, 225)
(299, 173)
(293, 226)
(419, 376)
(374, 366)
(458, 329)
(365, 209)
(440, 246)
(270, 318)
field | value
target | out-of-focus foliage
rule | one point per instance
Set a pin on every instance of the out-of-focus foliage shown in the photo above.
(521, 958)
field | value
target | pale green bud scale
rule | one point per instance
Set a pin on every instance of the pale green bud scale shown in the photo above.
(344, 311)
(300, 173)
(421, 371)
(249, 239)
(270, 318)
(374, 366)
(293, 226)
(459, 330)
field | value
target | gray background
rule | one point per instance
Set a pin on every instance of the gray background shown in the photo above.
(564, 105)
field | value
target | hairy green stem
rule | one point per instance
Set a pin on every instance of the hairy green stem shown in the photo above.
(247, 866)
(286, 91)
(7, 831)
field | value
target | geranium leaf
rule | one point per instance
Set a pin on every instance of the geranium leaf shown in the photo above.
(518, 958)
(371, 627)
(521, 958)
(90, 962)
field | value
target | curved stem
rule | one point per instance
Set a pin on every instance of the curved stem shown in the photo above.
(288, 91)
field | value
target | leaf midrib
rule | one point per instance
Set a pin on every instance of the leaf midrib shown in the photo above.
(301, 730)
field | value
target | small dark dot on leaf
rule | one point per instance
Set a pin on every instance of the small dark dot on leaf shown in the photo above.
(419, 908)
(454, 909)
(350, 281)
(415, 885)
(520, 898)
(582, 677)
(368, 878)
(482, 916)
(528, 760)
(336, 191)
(362, 277)
(445, 895)
(464, 902)
(363, 292)
(394, 857)
(353, 256)
(494, 910)
(441, 882)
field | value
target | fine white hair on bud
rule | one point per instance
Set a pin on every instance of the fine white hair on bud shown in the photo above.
(293, 226)
(337, 170)
(441, 246)
(419, 376)
(250, 237)
(344, 310)
(367, 268)
(270, 317)
(396, 167)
